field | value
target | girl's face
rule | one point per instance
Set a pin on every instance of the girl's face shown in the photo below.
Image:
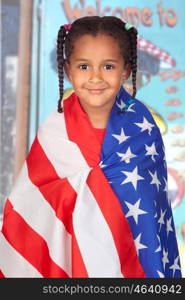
(96, 71)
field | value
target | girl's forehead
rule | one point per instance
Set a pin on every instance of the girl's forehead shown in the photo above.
(94, 45)
(99, 38)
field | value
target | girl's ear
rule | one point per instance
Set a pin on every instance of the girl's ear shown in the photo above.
(125, 75)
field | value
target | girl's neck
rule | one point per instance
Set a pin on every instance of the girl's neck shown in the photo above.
(99, 121)
(97, 116)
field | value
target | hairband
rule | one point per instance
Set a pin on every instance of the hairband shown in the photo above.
(67, 26)
(128, 26)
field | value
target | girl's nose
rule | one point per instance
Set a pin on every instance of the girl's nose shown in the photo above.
(95, 75)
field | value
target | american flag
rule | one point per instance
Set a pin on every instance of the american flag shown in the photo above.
(79, 209)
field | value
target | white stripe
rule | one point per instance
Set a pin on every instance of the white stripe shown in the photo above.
(93, 234)
(36, 211)
(67, 158)
(12, 264)
(55, 124)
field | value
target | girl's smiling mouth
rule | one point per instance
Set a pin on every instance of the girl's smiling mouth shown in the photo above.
(96, 91)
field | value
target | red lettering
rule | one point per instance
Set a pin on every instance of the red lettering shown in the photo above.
(171, 17)
(160, 11)
(106, 10)
(133, 16)
(90, 10)
(146, 17)
(171, 74)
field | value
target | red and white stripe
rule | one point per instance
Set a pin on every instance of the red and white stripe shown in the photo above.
(62, 218)
(14, 264)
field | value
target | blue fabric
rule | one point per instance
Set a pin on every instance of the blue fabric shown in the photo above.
(133, 160)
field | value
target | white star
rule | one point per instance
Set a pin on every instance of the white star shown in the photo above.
(164, 158)
(175, 266)
(154, 179)
(168, 224)
(134, 210)
(166, 185)
(138, 244)
(130, 109)
(155, 208)
(165, 258)
(166, 190)
(132, 177)
(169, 201)
(101, 164)
(159, 248)
(151, 150)
(122, 137)
(161, 219)
(121, 106)
(161, 275)
(145, 125)
(126, 156)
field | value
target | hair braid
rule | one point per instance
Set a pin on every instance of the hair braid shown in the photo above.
(133, 58)
(60, 60)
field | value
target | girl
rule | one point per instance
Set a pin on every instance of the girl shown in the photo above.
(91, 199)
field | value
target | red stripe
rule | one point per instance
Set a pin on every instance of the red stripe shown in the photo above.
(1, 274)
(83, 134)
(61, 196)
(117, 222)
(29, 244)
(78, 266)
(57, 191)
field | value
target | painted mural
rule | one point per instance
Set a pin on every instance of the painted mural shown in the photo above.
(160, 79)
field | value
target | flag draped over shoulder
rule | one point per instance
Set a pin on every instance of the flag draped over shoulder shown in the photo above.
(81, 209)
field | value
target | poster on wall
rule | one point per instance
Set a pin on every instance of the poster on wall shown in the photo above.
(160, 78)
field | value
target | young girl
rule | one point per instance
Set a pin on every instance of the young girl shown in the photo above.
(91, 199)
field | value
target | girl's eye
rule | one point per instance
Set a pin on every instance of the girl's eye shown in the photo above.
(83, 67)
(109, 67)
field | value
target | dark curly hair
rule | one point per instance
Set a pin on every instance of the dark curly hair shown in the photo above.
(94, 25)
